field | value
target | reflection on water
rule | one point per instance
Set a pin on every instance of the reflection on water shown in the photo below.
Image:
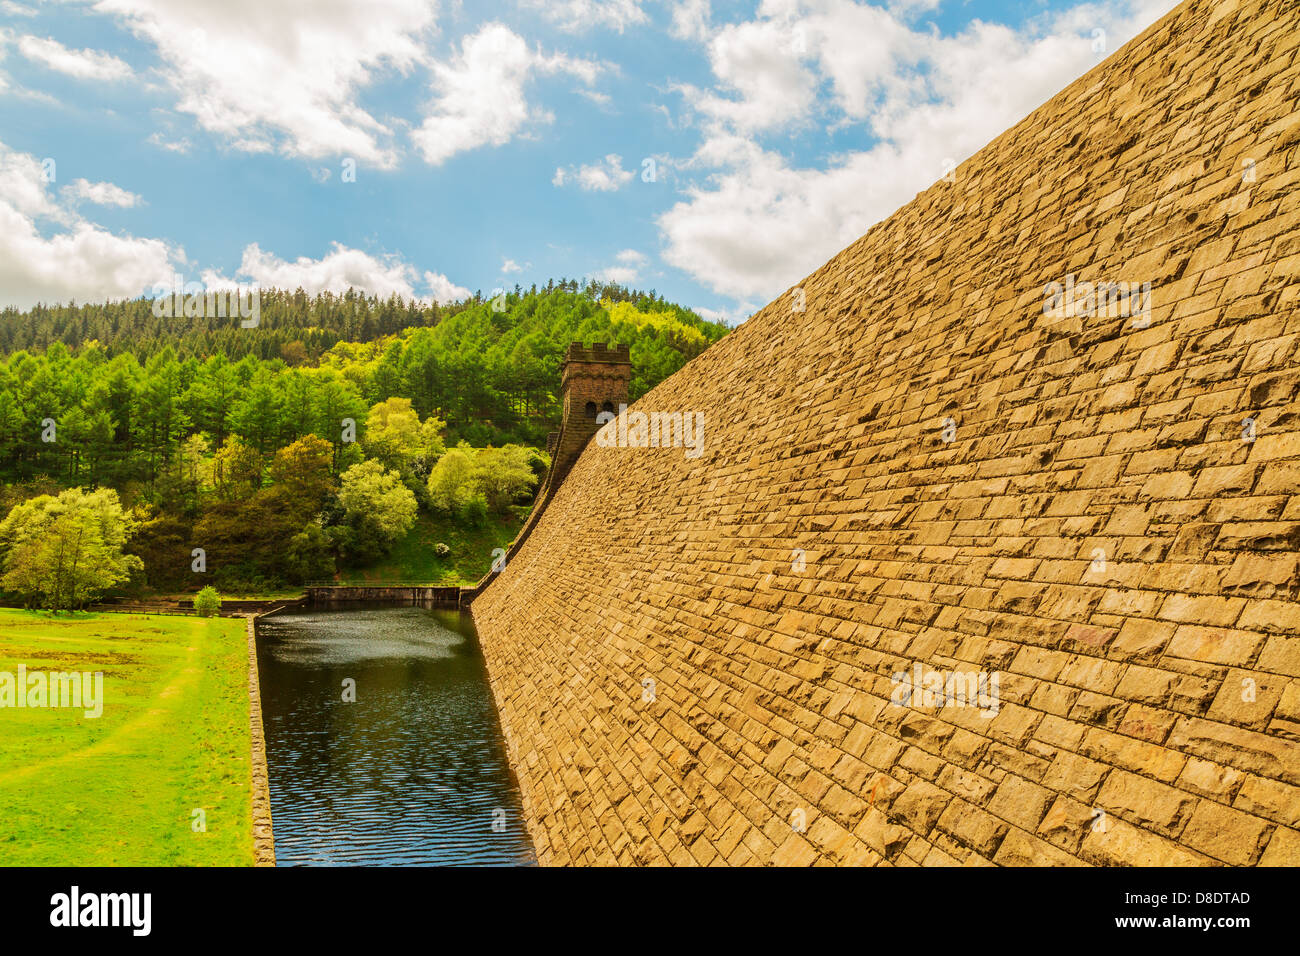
(414, 771)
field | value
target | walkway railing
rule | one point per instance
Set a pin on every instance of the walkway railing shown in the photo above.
(378, 583)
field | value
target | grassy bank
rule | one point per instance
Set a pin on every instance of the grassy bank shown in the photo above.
(415, 558)
(173, 737)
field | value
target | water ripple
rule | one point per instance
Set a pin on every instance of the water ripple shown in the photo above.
(414, 771)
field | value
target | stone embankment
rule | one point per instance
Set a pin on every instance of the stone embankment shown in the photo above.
(1038, 434)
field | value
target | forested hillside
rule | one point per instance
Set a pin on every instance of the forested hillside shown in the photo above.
(312, 442)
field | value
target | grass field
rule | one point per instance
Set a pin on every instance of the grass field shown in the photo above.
(121, 789)
(415, 558)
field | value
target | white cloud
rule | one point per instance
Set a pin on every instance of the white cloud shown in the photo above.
(78, 260)
(608, 175)
(49, 253)
(24, 185)
(911, 8)
(480, 94)
(442, 290)
(181, 145)
(17, 9)
(691, 19)
(340, 269)
(597, 97)
(733, 316)
(509, 265)
(82, 64)
(283, 75)
(757, 223)
(578, 15)
(101, 194)
(763, 80)
(627, 271)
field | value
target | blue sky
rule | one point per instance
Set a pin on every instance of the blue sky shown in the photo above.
(497, 143)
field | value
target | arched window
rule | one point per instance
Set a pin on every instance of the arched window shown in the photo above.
(608, 407)
(590, 411)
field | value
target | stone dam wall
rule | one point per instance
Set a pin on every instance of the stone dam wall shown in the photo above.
(694, 659)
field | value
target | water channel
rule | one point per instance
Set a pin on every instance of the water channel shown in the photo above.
(383, 743)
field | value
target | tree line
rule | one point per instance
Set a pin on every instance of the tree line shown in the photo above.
(292, 325)
(275, 469)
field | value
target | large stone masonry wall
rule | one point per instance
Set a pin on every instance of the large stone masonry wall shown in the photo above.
(692, 658)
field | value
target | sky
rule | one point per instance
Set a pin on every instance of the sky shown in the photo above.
(716, 152)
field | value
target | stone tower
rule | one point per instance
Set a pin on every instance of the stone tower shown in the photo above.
(594, 380)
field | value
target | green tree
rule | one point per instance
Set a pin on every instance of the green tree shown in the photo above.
(65, 551)
(236, 471)
(300, 477)
(397, 438)
(258, 417)
(451, 481)
(497, 476)
(377, 506)
(504, 475)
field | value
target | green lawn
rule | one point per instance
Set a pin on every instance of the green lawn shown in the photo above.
(120, 789)
(415, 558)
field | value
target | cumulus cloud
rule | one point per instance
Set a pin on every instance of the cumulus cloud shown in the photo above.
(101, 194)
(756, 223)
(442, 290)
(48, 253)
(479, 95)
(578, 15)
(628, 268)
(340, 269)
(762, 81)
(608, 175)
(82, 64)
(283, 75)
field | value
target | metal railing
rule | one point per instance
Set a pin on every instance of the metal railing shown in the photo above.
(382, 583)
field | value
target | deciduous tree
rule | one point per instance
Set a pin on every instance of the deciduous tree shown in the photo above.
(64, 552)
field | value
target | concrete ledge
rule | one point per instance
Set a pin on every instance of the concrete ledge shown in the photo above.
(401, 595)
(263, 832)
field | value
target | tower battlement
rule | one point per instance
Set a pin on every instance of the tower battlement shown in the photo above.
(598, 352)
(595, 378)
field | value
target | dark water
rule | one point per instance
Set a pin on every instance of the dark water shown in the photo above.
(414, 772)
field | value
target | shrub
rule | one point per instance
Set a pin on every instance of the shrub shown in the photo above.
(207, 602)
(441, 549)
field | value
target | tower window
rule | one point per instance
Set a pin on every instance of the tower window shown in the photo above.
(590, 411)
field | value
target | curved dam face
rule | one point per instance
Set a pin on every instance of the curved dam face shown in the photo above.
(972, 567)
